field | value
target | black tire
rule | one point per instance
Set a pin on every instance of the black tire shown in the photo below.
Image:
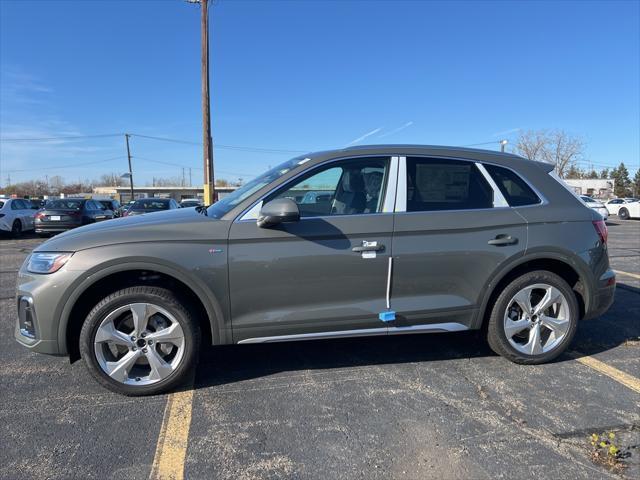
(623, 214)
(16, 228)
(495, 328)
(154, 295)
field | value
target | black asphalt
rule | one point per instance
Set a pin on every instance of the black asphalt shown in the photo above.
(428, 406)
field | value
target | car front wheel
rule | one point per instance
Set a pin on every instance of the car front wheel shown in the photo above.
(140, 341)
(534, 319)
(623, 214)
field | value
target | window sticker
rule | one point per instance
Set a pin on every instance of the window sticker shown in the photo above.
(443, 183)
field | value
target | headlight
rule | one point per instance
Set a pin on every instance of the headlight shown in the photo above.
(47, 262)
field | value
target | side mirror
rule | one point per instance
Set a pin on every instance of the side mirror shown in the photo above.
(280, 210)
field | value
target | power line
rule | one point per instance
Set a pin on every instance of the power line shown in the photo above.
(71, 165)
(182, 165)
(69, 137)
(220, 145)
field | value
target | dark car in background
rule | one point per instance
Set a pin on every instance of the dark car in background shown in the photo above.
(112, 205)
(67, 213)
(191, 202)
(150, 205)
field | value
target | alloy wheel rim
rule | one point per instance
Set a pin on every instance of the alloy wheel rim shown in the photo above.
(139, 344)
(537, 319)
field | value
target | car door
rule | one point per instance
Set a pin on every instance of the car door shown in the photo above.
(24, 212)
(304, 278)
(453, 229)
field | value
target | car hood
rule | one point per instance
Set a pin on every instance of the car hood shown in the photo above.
(166, 226)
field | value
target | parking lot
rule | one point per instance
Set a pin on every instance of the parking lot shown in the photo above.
(422, 406)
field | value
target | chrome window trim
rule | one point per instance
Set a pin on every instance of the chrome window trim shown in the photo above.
(244, 216)
(498, 198)
(389, 204)
(402, 178)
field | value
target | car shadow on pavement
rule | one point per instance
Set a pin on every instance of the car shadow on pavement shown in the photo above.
(234, 363)
(228, 364)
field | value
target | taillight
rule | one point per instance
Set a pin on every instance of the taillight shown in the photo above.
(39, 215)
(601, 228)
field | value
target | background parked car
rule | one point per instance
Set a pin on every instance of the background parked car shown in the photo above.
(150, 205)
(629, 210)
(112, 205)
(191, 202)
(16, 215)
(597, 205)
(614, 205)
(67, 213)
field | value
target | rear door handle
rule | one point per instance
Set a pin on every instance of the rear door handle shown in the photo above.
(368, 247)
(502, 240)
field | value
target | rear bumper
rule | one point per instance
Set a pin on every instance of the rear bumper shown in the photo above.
(604, 296)
(42, 227)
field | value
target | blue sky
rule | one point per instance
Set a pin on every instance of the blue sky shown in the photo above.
(309, 75)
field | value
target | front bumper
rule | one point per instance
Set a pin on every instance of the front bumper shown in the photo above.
(46, 295)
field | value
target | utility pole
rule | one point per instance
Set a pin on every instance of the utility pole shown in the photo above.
(126, 136)
(183, 184)
(207, 141)
(190, 176)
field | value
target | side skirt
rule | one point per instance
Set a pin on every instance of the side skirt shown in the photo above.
(366, 332)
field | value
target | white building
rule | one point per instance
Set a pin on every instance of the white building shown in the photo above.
(594, 187)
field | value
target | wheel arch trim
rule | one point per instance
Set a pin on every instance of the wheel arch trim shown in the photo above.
(564, 257)
(101, 271)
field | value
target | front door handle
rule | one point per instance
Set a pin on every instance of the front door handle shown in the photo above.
(368, 247)
(502, 240)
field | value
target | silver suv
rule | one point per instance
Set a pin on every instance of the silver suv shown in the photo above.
(392, 240)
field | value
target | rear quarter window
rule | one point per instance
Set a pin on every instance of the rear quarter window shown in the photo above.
(515, 189)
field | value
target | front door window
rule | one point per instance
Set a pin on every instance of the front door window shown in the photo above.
(349, 187)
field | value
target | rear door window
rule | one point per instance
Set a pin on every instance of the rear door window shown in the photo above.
(439, 184)
(515, 189)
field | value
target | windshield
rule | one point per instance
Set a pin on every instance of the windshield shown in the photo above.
(226, 204)
(64, 204)
(150, 205)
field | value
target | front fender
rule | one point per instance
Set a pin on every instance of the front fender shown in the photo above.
(207, 281)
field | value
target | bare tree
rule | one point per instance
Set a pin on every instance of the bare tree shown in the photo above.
(556, 147)
(531, 144)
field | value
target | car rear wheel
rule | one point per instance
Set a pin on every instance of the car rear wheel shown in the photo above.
(140, 341)
(534, 319)
(623, 214)
(16, 228)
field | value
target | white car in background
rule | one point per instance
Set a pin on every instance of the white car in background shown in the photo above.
(596, 205)
(629, 210)
(16, 215)
(614, 205)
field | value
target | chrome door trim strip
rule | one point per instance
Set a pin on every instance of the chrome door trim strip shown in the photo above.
(365, 332)
(389, 270)
(434, 328)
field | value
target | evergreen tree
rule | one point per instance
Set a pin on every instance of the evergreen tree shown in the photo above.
(622, 182)
(574, 172)
(592, 174)
(604, 173)
(636, 184)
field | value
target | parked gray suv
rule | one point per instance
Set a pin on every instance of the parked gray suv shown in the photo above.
(392, 240)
